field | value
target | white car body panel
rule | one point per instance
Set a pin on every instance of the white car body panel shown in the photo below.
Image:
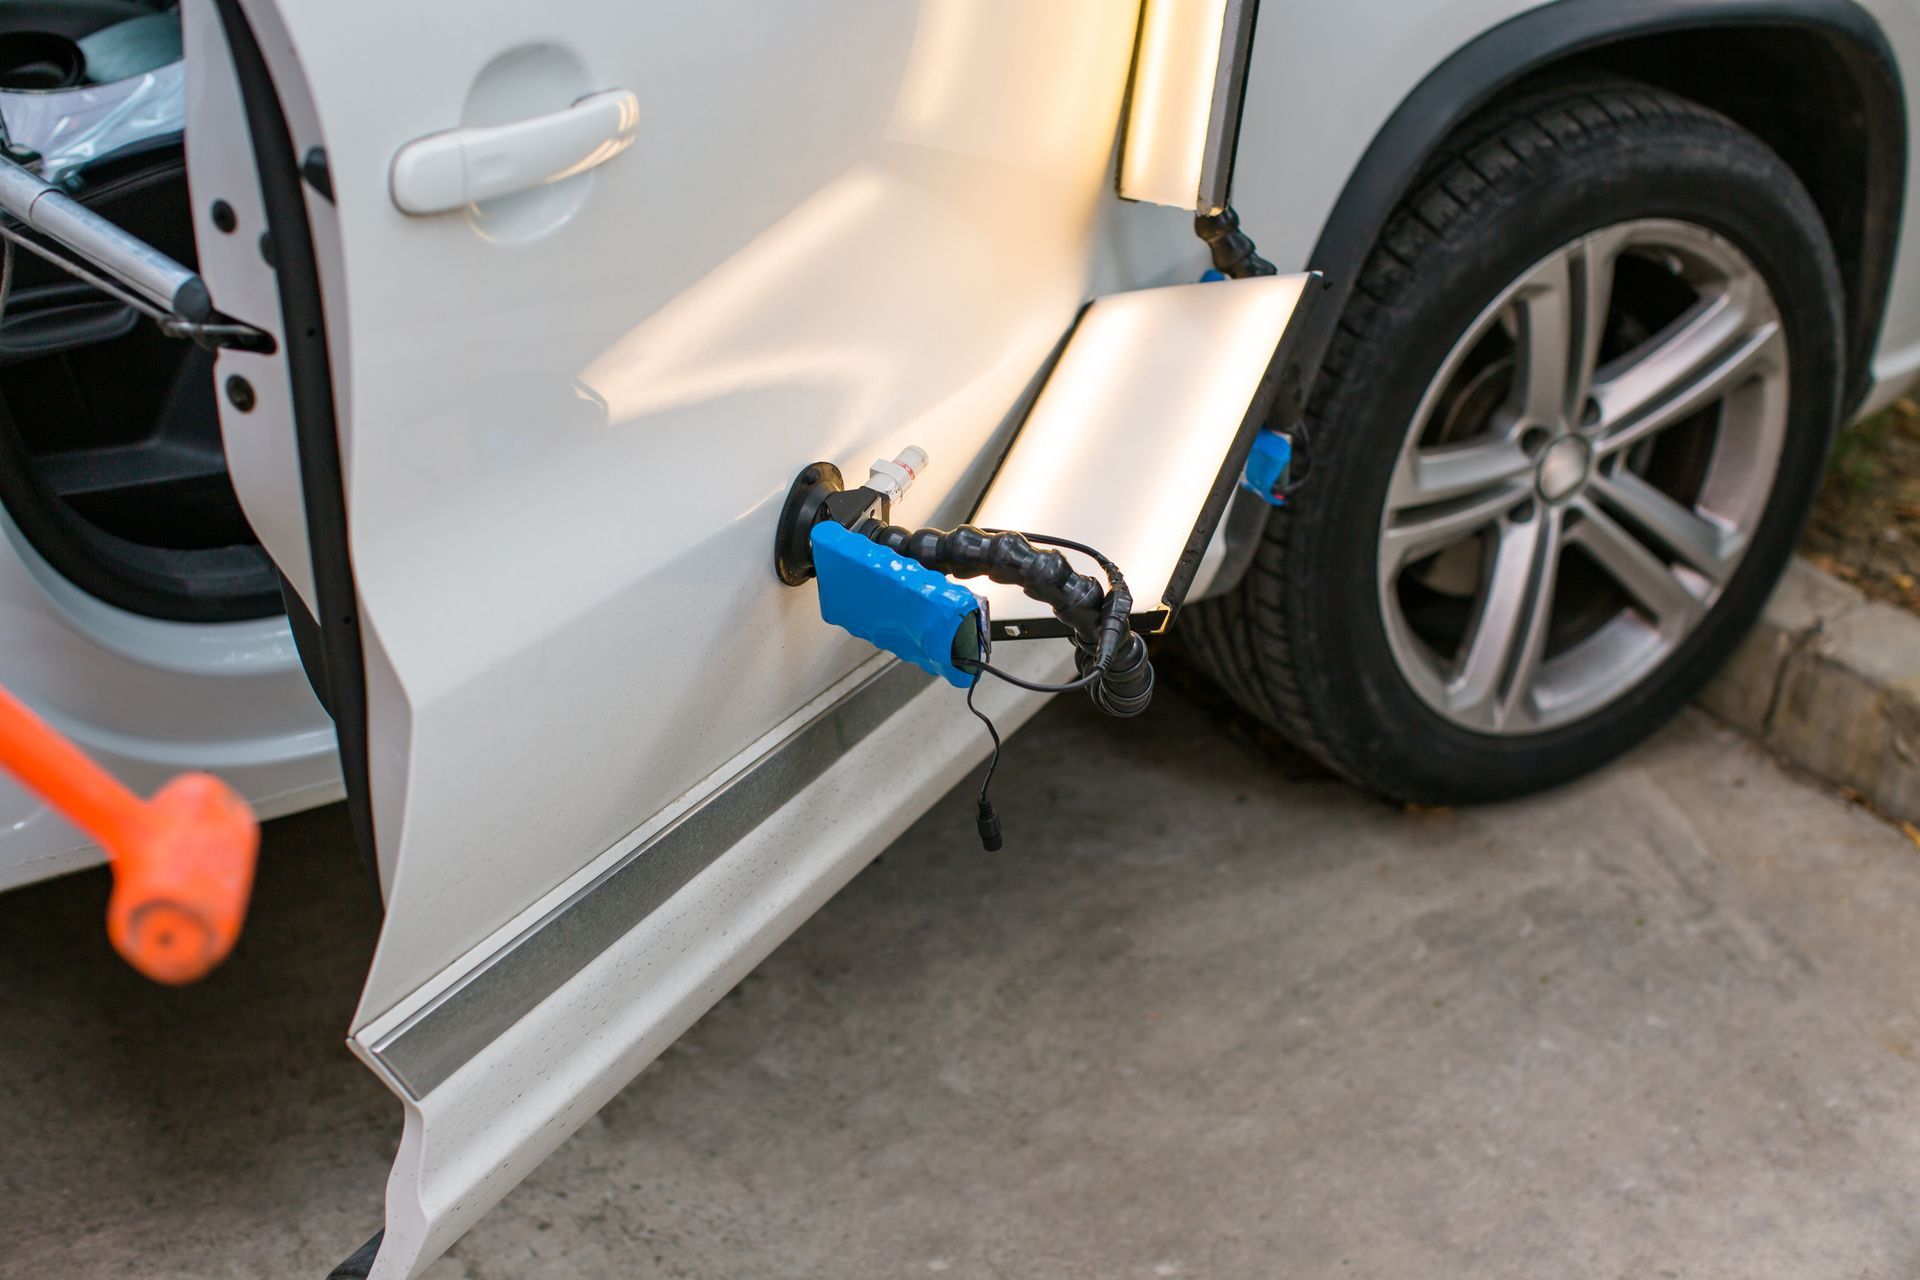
(1310, 116)
(150, 699)
(567, 423)
(472, 1138)
(635, 363)
(259, 445)
(561, 523)
(1303, 105)
(560, 517)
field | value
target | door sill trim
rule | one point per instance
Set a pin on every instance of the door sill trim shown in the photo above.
(436, 1040)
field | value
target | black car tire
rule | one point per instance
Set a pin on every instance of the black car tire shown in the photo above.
(1302, 641)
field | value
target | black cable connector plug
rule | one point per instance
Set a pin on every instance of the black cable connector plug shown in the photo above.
(989, 824)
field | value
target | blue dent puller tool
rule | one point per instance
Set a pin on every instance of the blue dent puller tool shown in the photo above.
(896, 604)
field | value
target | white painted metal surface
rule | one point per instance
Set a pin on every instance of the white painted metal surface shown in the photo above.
(841, 228)
(578, 611)
(472, 1139)
(149, 699)
(1325, 77)
(259, 445)
(1298, 77)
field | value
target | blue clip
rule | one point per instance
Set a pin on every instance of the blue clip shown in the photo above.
(1211, 276)
(1267, 466)
(894, 603)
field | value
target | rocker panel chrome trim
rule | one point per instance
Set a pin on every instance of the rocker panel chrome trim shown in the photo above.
(436, 1041)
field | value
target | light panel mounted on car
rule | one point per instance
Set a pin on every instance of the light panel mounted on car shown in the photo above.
(1138, 438)
(1183, 115)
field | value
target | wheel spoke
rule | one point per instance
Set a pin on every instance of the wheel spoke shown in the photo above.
(1509, 638)
(1544, 310)
(1427, 476)
(1562, 314)
(1592, 276)
(1410, 535)
(1705, 546)
(1701, 358)
(1640, 573)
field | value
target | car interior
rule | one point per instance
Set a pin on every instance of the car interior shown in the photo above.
(111, 463)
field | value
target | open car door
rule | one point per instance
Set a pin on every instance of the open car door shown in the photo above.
(564, 295)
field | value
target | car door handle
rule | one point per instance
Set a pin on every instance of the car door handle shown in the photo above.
(450, 170)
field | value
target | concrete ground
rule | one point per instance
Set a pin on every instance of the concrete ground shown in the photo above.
(1210, 1015)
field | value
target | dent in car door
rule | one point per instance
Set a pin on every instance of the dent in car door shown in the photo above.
(569, 415)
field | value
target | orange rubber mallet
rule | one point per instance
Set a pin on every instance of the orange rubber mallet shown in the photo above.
(182, 861)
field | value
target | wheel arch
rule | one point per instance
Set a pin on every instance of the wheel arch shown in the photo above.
(1815, 79)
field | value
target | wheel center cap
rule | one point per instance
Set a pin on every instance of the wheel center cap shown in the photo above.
(1563, 468)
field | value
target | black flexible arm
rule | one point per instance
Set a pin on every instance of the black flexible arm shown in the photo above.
(1101, 620)
(1007, 557)
(1232, 249)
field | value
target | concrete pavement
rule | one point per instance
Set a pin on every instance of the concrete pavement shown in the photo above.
(1209, 1015)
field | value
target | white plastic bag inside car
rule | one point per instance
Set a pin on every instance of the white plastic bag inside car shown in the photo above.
(74, 127)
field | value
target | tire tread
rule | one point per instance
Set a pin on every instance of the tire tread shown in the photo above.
(1249, 639)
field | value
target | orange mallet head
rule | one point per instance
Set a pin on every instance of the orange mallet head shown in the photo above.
(182, 861)
(180, 887)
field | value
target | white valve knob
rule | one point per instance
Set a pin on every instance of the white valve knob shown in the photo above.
(892, 479)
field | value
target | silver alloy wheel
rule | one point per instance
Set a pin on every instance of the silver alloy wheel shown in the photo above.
(1582, 476)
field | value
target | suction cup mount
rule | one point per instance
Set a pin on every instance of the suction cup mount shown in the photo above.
(806, 501)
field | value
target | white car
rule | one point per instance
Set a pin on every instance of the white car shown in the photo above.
(562, 298)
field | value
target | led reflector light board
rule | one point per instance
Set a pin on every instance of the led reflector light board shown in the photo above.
(1136, 440)
(1183, 113)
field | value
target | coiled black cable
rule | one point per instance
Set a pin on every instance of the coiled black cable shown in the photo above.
(1112, 659)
